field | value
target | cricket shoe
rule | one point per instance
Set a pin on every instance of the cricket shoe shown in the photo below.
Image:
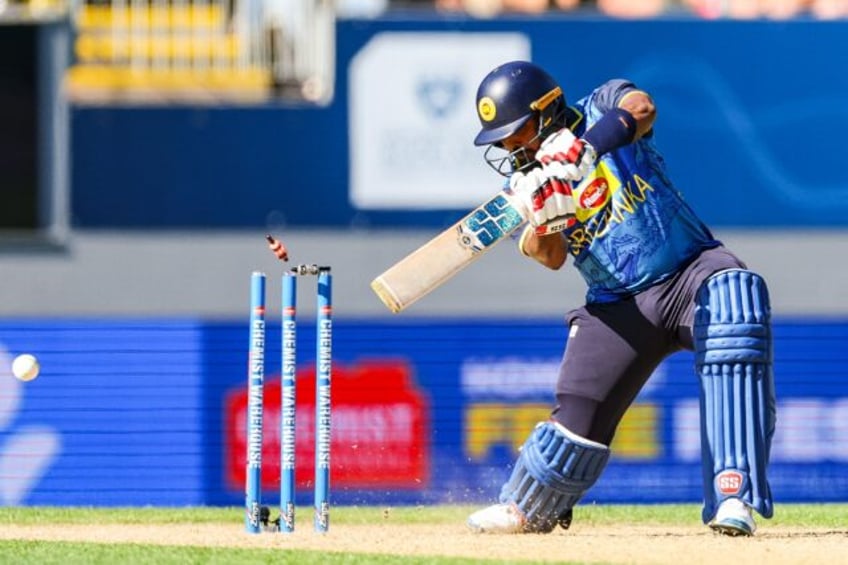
(497, 519)
(734, 518)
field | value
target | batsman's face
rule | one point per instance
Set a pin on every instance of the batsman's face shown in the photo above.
(526, 138)
(515, 153)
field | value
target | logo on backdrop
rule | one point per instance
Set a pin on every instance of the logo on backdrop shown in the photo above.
(507, 396)
(439, 96)
(380, 431)
(416, 130)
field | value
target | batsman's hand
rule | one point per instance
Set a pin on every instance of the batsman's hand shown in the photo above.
(566, 157)
(548, 202)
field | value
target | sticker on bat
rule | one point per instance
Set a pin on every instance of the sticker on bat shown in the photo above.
(488, 224)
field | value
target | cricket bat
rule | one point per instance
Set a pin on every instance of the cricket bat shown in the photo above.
(426, 268)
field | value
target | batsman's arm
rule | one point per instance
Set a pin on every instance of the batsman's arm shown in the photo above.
(549, 250)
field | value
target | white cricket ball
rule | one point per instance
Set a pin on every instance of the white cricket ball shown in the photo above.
(25, 367)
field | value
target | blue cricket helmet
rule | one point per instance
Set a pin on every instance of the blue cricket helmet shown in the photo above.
(513, 93)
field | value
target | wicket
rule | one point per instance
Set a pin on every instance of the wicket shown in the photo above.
(288, 371)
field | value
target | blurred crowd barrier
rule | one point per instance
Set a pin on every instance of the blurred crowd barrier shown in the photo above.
(738, 9)
(237, 50)
(253, 50)
(23, 11)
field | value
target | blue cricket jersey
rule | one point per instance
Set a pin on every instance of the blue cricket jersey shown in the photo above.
(634, 229)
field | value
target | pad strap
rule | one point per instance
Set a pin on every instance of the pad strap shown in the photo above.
(554, 470)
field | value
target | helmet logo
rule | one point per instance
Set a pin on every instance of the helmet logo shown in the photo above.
(486, 108)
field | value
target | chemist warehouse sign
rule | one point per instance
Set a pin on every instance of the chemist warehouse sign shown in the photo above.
(413, 119)
(379, 424)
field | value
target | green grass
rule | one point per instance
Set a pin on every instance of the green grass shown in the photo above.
(802, 515)
(93, 553)
(41, 552)
(63, 552)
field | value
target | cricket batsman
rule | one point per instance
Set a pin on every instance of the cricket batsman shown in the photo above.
(595, 188)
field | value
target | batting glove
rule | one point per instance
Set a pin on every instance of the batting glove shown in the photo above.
(547, 200)
(566, 157)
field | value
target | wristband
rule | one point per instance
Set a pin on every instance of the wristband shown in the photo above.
(615, 129)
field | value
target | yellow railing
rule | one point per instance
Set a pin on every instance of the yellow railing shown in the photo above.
(100, 17)
(106, 48)
(220, 48)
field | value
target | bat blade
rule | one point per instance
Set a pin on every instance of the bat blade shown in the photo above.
(438, 260)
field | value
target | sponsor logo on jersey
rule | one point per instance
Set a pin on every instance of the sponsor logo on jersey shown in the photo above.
(604, 200)
(595, 194)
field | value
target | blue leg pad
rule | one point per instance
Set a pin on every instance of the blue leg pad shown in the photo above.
(733, 358)
(553, 471)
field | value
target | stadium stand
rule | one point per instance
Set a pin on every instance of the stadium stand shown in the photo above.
(227, 50)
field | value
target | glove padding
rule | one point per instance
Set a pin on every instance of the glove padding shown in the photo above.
(566, 157)
(548, 201)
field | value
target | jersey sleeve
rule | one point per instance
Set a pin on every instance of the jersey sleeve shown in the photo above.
(608, 95)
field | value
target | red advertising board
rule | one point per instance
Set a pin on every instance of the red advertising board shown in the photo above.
(380, 429)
